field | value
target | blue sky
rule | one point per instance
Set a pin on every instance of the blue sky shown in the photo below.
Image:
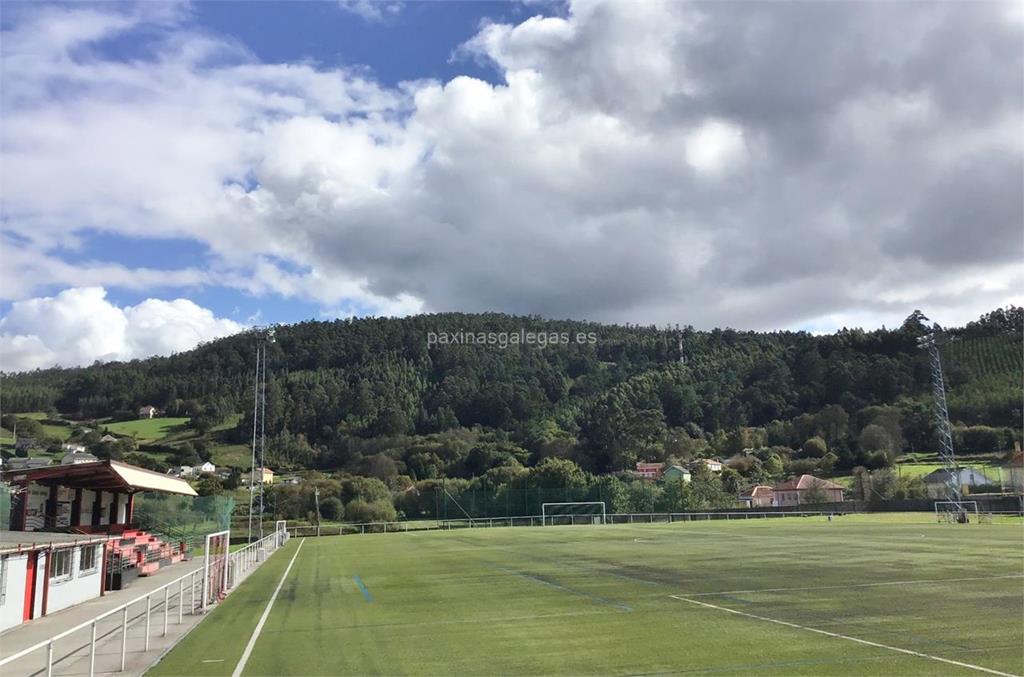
(176, 172)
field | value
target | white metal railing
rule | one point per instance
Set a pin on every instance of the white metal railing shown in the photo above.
(539, 520)
(242, 561)
(191, 585)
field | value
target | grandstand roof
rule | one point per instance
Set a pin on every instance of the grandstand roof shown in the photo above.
(104, 476)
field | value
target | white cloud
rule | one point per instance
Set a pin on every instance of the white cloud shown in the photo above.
(372, 10)
(79, 326)
(714, 146)
(650, 162)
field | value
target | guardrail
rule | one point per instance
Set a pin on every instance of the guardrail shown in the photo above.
(187, 595)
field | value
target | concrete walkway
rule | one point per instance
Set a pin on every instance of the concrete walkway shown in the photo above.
(71, 654)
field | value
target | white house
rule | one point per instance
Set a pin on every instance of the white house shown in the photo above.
(184, 471)
(78, 457)
(937, 480)
(73, 448)
(712, 464)
(207, 468)
(148, 411)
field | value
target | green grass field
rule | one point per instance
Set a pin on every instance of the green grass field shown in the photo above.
(698, 597)
(149, 429)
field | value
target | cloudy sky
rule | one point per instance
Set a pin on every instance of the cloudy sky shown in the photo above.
(174, 172)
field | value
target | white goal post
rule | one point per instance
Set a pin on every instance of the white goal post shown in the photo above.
(546, 512)
(281, 530)
(215, 566)
(948, 511)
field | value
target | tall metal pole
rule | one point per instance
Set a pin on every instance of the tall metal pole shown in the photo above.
(263, 430)
(252, 465)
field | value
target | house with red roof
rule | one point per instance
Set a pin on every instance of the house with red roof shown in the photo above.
(649, 471)
(793, 492)
(758, 496)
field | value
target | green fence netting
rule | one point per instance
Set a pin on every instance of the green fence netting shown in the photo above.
(182, 516)
(5, 506)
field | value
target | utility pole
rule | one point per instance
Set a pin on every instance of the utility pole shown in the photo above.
(316, 499)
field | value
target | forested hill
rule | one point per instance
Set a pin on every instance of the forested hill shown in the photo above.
(370, 395)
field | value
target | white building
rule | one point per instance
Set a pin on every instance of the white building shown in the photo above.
(207, 468)
(184, 471)
(78, 457)
(74, 563)
(712, 464)
(936, 481)
(70, 448)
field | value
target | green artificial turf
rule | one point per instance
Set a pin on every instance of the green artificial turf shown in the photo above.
(599, 600)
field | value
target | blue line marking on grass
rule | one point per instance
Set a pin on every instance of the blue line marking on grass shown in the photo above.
(558, 586)
(363, 588)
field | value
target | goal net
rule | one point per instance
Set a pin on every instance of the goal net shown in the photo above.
(953, 512)
(575, 512)
(215, 567)
(280, 532)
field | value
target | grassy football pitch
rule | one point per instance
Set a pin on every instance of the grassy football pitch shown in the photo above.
(861, 595)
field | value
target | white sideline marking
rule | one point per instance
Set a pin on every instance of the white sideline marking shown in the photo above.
(920, 581)
(846, 637)
(263, 619)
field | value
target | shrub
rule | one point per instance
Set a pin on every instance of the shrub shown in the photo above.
(331, 508)
(359, 510)
(815, 447)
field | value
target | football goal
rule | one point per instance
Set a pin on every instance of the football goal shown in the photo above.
(956, 513)
(281, 532)
(573, 512)
(215, 567)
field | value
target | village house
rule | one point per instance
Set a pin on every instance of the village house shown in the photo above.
(676, 472)
(148, 411)
(74, 457)
(207, 468)
(937, 481)
(758, 496)
(649, 471)
(712, 464)
(794, 492)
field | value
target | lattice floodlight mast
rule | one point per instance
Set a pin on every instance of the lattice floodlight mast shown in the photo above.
(931, 342)
(263, 336)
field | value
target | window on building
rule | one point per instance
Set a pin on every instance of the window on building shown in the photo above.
(60, 563)
(89, 559)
